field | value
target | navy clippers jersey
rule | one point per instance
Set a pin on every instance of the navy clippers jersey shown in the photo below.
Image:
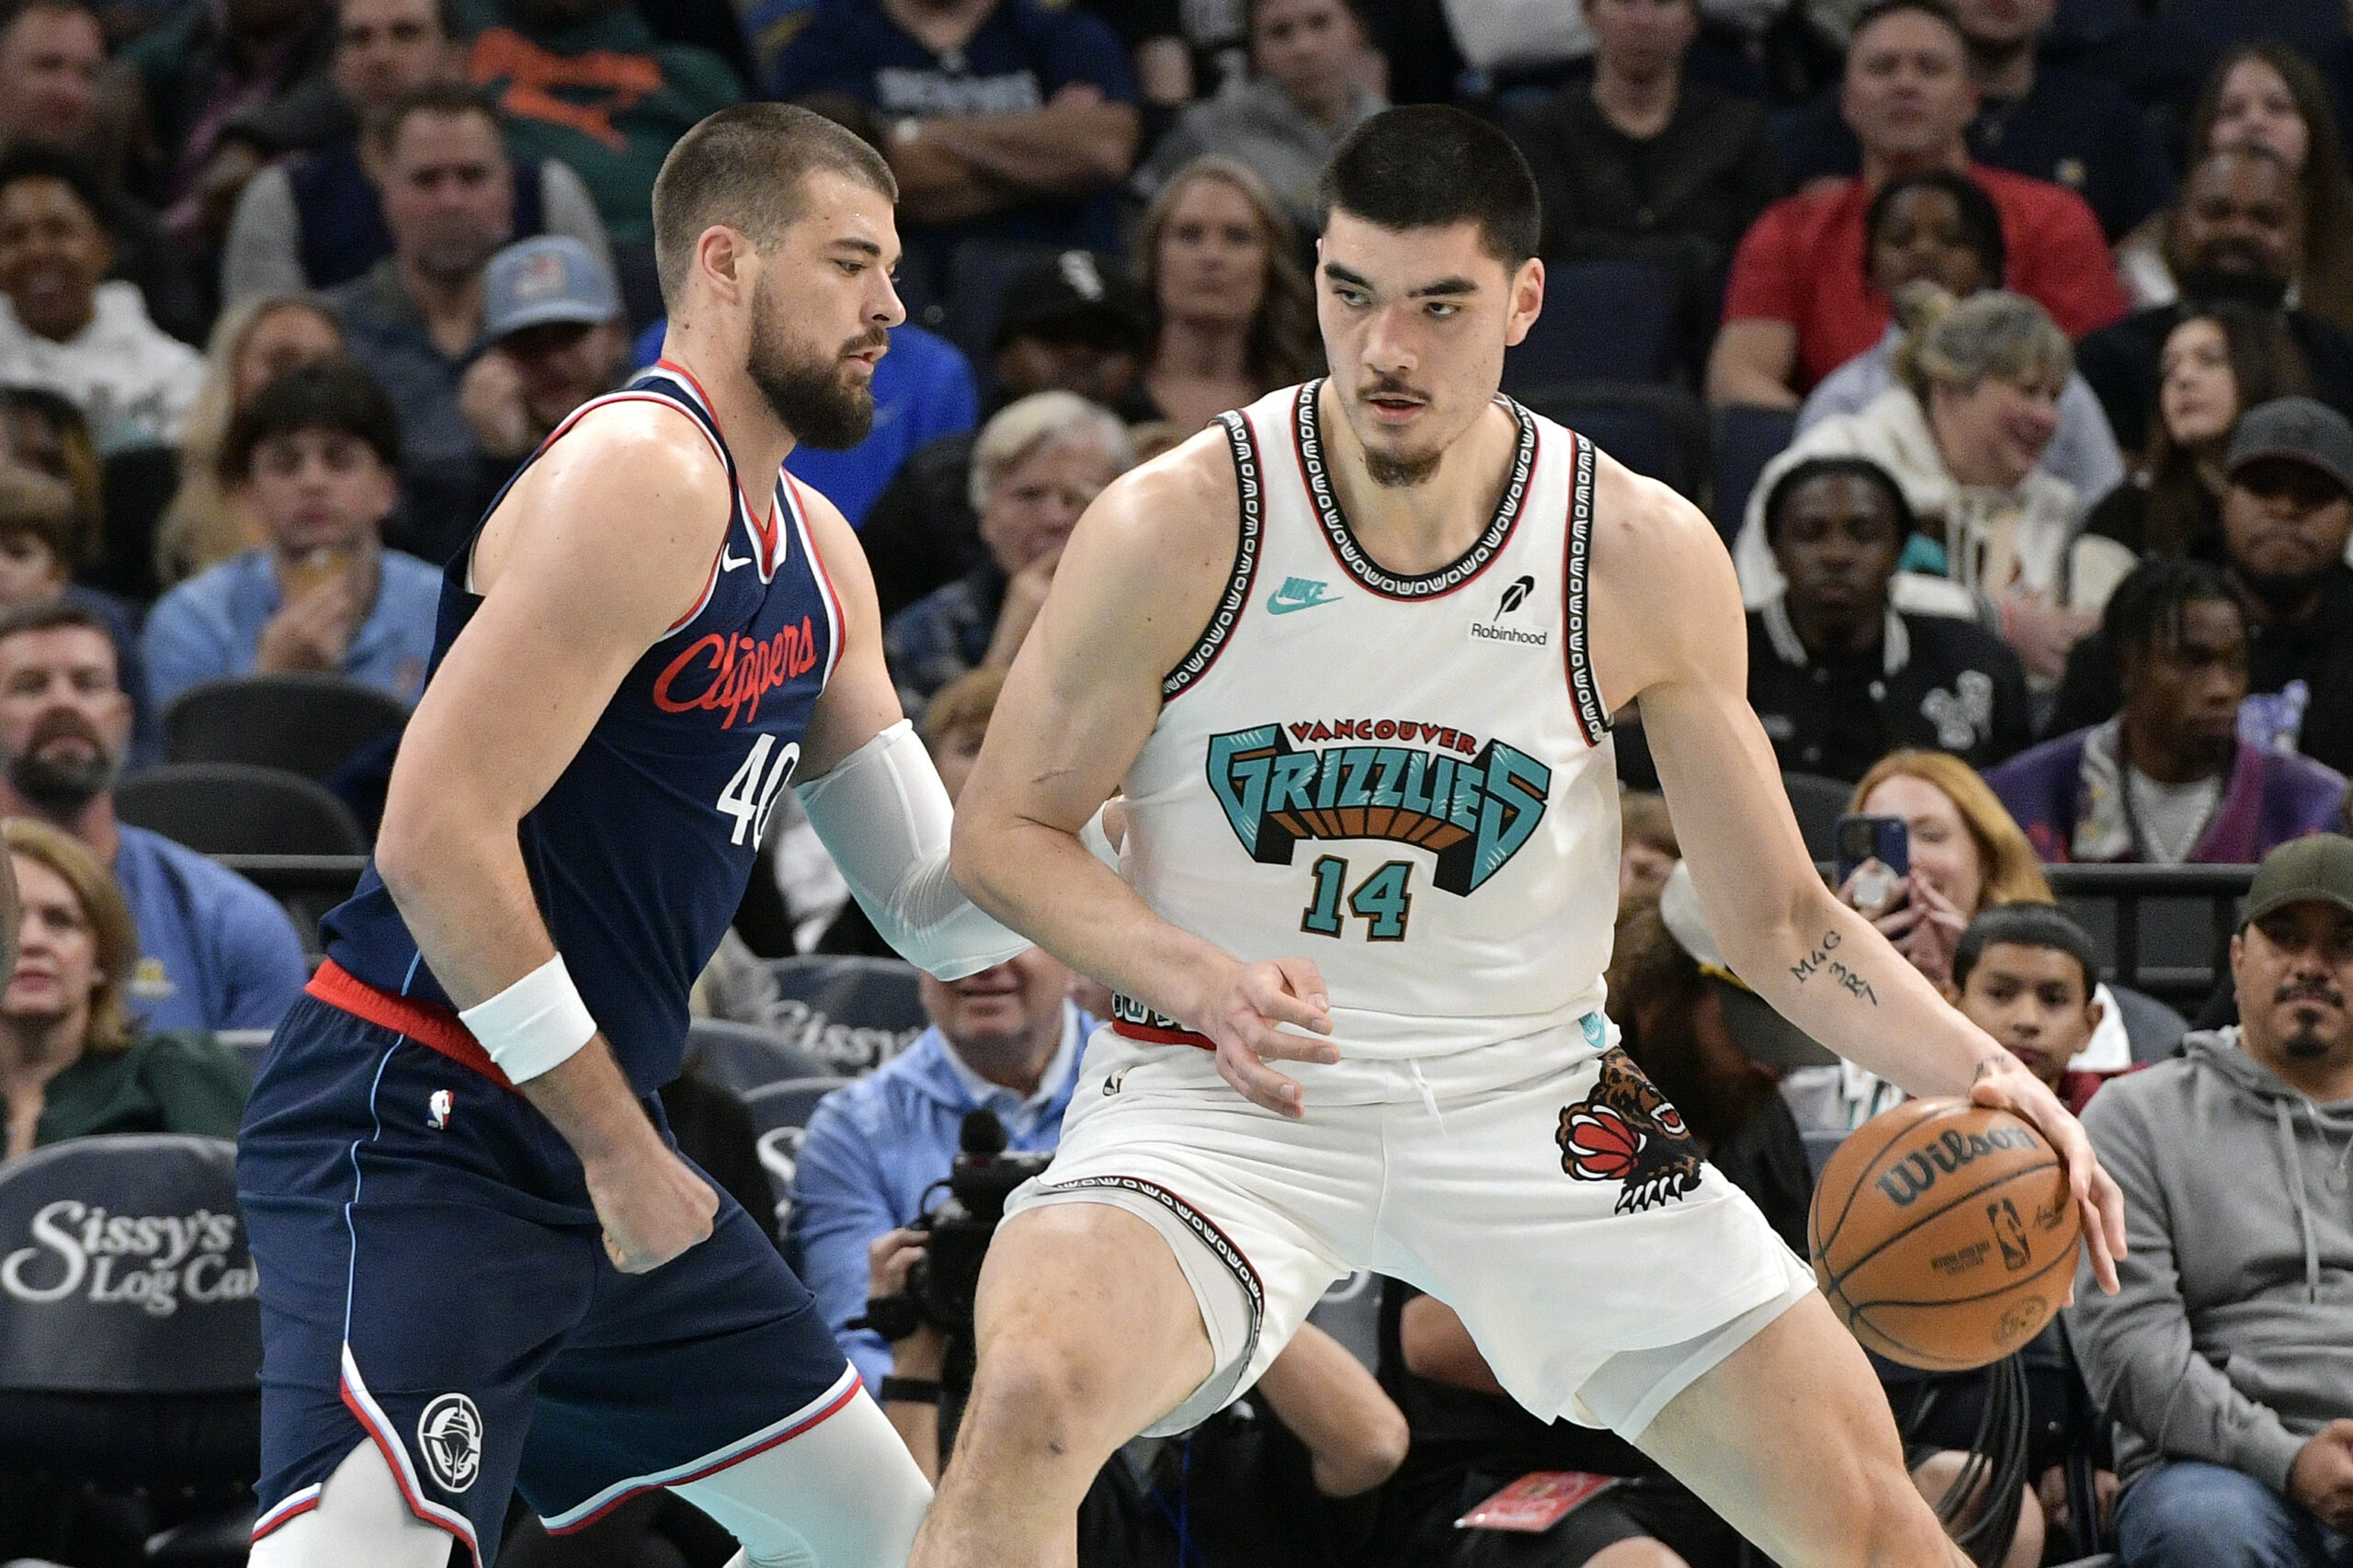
(639, 853)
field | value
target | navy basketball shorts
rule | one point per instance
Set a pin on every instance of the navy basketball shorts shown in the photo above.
(434, 1280)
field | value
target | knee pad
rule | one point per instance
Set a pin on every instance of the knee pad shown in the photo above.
(362, 1521)
(844, 1494)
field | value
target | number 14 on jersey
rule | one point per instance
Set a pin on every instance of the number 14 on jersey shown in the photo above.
(1382, 901)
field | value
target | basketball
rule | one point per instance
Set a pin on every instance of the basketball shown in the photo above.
(1944, 1233)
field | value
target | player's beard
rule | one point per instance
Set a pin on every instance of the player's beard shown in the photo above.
(1401, 472)
(63, 784)
(815, 396)
(1397, 471)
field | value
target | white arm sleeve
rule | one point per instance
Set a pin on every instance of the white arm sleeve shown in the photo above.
(884, 818)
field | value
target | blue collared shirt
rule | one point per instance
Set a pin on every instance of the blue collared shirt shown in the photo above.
(215, 952)
(875, 1148)
(209, 627)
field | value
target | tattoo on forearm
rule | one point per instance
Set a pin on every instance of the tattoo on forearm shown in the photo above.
(1819, 962)
(1806, 968)
(1854, 984)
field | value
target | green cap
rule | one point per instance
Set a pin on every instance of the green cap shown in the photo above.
(2317, 867)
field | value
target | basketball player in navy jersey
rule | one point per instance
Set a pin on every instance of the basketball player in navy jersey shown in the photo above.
(484, 1263)
(1351, 657)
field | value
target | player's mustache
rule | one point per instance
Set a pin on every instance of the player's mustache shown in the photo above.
(2319, 991)
(59, 724)
(1390, 386)
(878, 338)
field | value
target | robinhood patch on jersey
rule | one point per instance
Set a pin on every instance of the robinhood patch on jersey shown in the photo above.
(1472, 810)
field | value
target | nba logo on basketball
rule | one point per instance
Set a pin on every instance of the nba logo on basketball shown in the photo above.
(2010, 1231)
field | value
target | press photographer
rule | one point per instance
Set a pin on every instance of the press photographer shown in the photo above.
(1006, 1040)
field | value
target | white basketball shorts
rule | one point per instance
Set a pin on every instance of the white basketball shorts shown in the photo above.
(1542, 1188)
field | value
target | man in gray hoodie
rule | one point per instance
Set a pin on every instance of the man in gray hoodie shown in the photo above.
(2227, 1359)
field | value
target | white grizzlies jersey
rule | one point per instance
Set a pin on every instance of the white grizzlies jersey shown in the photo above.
(1408, 779)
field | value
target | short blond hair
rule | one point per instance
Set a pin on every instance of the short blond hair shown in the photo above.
(1023, 428)
(1960, 343)
(108, 913)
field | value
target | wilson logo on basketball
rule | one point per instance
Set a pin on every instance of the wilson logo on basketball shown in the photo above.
(741, 669)
(1909, 1180)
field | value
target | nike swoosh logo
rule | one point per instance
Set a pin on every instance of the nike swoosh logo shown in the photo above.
(1281, 606)
(729, 563)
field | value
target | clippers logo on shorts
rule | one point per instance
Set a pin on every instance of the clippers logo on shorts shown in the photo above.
(1625, 1131)
(449, 1437)
(1501, 627)
(1473, 806)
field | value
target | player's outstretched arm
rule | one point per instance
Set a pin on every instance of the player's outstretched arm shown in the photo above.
(872, 794)
(589, 560)
(1137, 583)
(1817, 961)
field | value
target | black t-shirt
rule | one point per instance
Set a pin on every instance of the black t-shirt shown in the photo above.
(1934, 682)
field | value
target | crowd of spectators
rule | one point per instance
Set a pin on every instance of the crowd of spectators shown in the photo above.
(2048, 311)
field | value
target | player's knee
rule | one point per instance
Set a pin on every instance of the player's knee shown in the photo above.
(1044, 1383)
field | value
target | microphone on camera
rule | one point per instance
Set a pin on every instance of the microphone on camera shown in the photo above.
(982, 1134)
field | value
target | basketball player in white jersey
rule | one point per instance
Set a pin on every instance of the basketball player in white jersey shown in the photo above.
(1350, 658)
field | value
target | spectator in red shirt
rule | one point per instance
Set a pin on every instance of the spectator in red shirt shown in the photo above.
(1798, 306)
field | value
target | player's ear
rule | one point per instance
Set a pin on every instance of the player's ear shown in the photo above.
(2094, 1011)
(1527, 300)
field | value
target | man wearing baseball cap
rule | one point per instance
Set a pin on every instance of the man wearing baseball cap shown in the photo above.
(2223, 1360)
(555, 337)
(2287, 515)
(1068, 321)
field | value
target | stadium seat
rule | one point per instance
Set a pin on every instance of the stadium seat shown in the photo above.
(744, 1057)
(850, 1014)
(1658, 431)
(2311, 25)
(156, 1409)
(780, 1112)
(2155, 1029)
(790, 1102)
(1603, 321)
(233, 808)
(1819, 802)
(251, 1045)
(134, 487)
(308, 724)
(1746, 438)
(1349, 1311)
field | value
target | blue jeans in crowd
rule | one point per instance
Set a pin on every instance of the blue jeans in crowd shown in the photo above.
(2187, 1514)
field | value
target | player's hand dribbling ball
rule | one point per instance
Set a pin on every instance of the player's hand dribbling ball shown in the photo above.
(1944, 1233)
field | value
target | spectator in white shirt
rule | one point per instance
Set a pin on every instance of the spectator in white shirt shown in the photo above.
(65, 330)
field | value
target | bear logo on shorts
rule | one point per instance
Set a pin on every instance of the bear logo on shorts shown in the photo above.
(449, 1437)
(1625, 1131)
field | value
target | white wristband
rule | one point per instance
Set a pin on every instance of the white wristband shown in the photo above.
(533, 1025)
